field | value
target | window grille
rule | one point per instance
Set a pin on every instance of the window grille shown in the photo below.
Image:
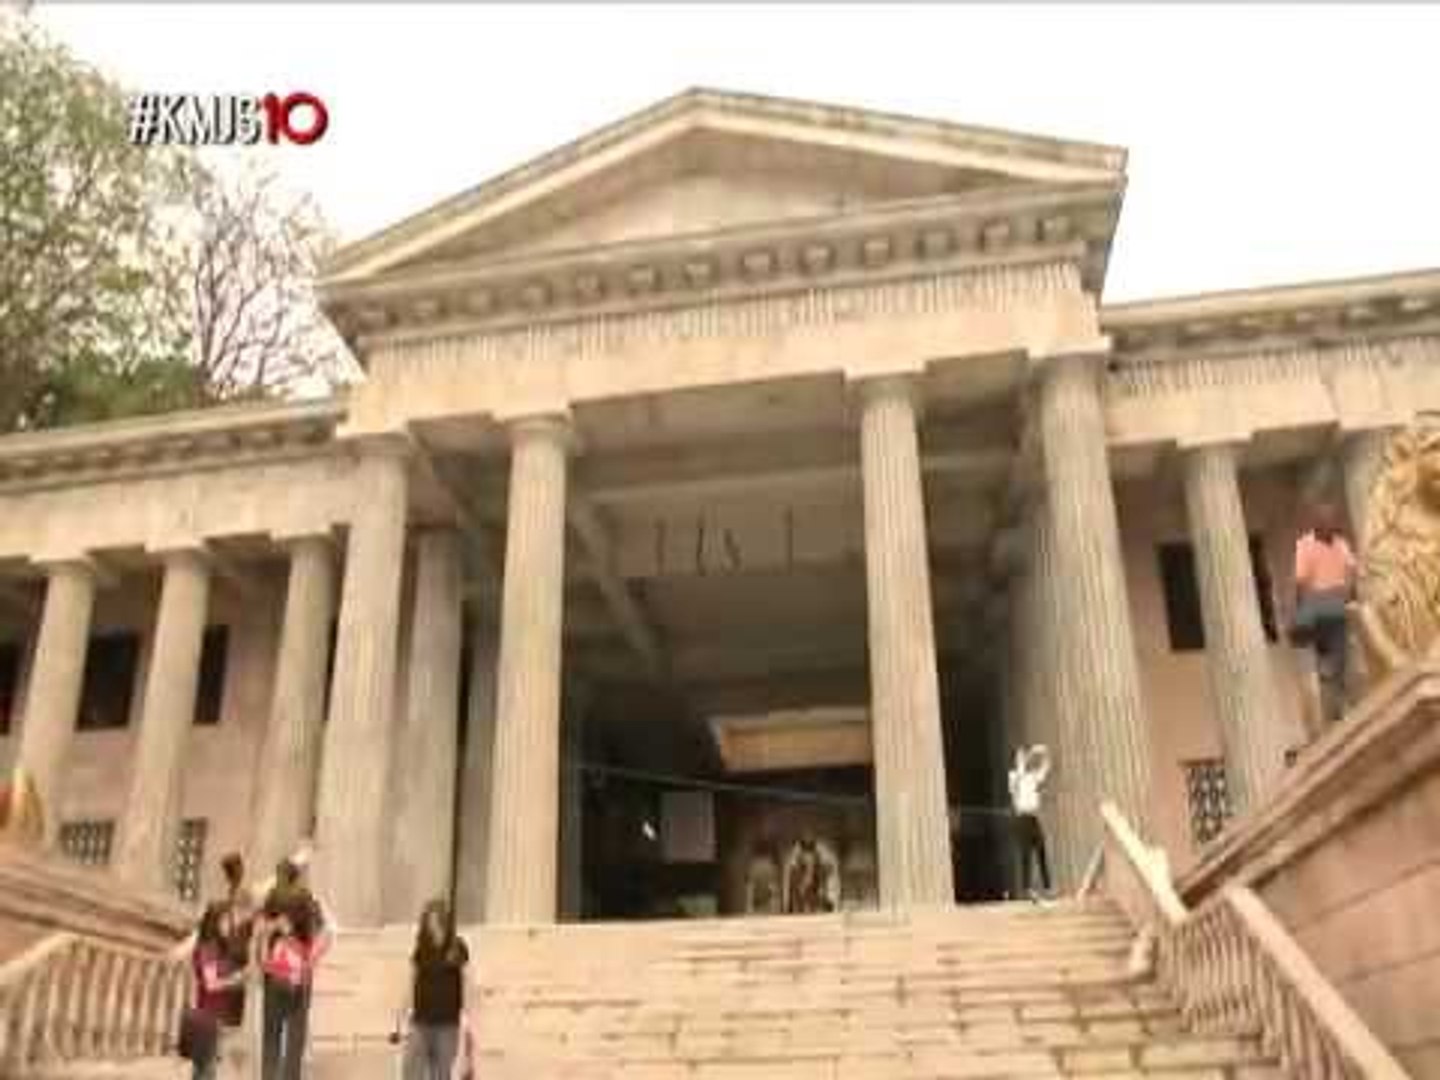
(190, 858)
(87, 842)
(1209, 792)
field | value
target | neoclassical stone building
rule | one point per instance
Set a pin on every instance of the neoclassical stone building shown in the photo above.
(742, 443)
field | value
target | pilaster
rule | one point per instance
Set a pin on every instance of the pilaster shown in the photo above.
(1242, 678)
(423, 788)
(475, 778)
(290, 756)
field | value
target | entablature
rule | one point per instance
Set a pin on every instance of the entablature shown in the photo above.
(1069, 222)
(221, 437)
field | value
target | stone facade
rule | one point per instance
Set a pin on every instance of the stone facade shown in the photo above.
(735, 405)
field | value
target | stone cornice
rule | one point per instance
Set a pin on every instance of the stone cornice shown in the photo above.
(1263, 320)
(923, 236)
(186, 441)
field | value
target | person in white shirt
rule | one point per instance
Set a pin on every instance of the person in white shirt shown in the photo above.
(1027, 780)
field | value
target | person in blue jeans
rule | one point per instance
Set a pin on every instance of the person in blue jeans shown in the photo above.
(437, 996)
(292, 939)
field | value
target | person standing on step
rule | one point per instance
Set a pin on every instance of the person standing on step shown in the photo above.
(1324, 587)
(291, 938)
(1027, 781)
(219, 997)
(434, 1048)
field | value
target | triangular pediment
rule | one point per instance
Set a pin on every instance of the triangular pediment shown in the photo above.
(706, 162)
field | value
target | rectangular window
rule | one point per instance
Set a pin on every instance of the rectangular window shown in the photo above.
(1209, 793)
(1179, 581)
(10, 655)
(1182, 597)
(210, 694)
(87, 842)
(190, 858)
(111, 663)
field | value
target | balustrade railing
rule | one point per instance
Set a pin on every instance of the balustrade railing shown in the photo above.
(1232, 967)
(75, 999)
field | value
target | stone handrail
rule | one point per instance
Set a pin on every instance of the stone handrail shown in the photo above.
(74, 999)
(1232, 966)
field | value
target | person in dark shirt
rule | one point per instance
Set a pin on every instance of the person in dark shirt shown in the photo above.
(437, 995)
(291, 940)
(218, 981)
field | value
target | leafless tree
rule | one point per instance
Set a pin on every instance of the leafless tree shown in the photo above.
(253, 248)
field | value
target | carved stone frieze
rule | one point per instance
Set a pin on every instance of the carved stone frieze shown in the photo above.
(998, 287)
(1181, 371)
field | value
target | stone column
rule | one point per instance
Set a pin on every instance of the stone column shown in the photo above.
(524, 825)
(351, 810)
(52, 701)
(290, 759)
(1361, 454)
(1097, 648)
(1070, 809)
(423, 788)
(151, 820)
(912, 816)
(1242, 679)
(475, 780)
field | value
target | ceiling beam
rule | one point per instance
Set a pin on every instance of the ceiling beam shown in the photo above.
(630, 618)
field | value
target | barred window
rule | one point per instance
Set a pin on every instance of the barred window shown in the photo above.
(1209, 791)
(87, 842)
(190, 858)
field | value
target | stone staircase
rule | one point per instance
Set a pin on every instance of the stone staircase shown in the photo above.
(995, 991)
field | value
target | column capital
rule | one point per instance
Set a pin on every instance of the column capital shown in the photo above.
(187, 551)
(557, 429)
(1227, 442)
(80, 564)
(1094, 357)
(385, 444)
(908, 386)
(290, 539)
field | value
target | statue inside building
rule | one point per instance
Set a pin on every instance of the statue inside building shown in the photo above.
(812, 878)
(21, 819)
(1397, 616)
(762, 881)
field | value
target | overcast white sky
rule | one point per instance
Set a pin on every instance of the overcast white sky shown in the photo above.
(1268, 144)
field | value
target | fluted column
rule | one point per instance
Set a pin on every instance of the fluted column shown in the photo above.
(290, 757)
(475, 780)
(1361, 455)
(1097, 650)
(524, 824)
(52, 701)
(151, 820)
(912, 819)
(351, 806)
(423, 792)
(1242, 679)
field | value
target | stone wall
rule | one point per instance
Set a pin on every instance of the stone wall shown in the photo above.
(1348, 857)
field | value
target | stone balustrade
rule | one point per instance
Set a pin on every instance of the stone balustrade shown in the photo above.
(73, 999)
(1233, 966)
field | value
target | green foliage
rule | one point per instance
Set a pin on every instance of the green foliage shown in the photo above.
(133, 279)
(78, 240)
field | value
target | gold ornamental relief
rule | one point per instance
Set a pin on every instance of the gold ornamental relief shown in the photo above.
(21, 818)
(1398, 614)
